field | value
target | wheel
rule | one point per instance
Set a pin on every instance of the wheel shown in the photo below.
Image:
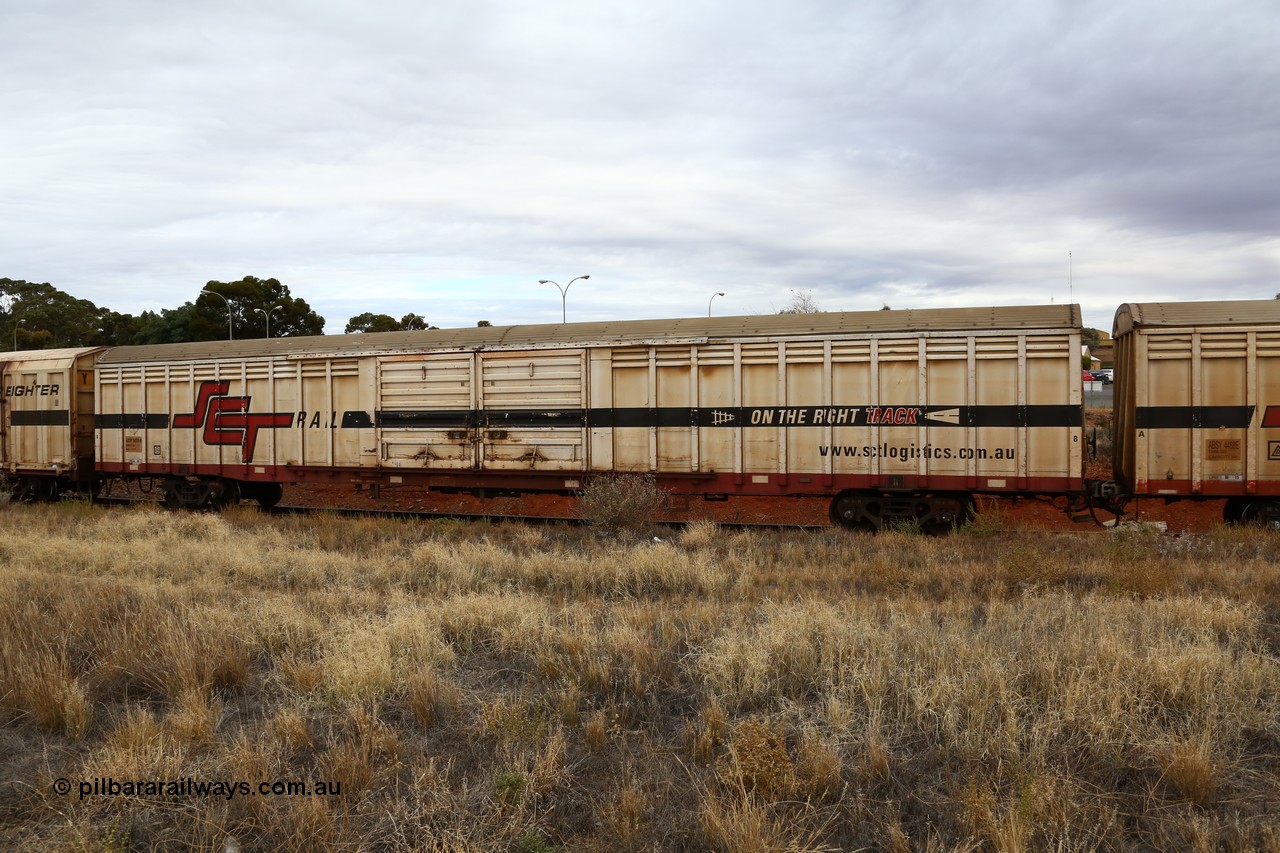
(1264, 513)
(1233, 511)
(224, 493)
(853, 511)
(267, 494)
(170, 497)
(941, 514)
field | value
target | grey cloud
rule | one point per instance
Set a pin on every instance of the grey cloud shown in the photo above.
(934, 151)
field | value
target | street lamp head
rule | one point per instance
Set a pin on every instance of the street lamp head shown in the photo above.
(712, 299)
(545, 281)
(205, 289)
(584, 276)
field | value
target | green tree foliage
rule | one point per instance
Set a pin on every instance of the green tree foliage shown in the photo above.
(370, 322)
(1094, 337)
(119, 329)
(207, 319)
(169, 326)
(42, 317)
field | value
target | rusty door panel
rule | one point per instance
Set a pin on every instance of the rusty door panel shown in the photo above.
(425, 406)
(532, 410)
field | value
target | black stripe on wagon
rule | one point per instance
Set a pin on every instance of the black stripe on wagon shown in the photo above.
(468, 418)
(1020, 416)
(424, 419)
(40, 417)
(534, 418)
(357, 419)
(840, 416)
(644, 417)
(132, 421)
(738, 416)
(1193, 417)
(350, 420)
(727, 416)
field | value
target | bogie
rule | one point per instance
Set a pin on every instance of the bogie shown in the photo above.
(934, 513)
(199, 493)
(34, 488)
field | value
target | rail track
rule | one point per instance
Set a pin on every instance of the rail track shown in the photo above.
(284, 510)
(1028, 514)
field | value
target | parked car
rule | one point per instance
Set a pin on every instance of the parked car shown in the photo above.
(1103, 376)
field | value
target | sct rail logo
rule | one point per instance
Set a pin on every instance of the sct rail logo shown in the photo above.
(227, 421)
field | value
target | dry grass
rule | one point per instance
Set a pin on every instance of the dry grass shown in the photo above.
(477, 687)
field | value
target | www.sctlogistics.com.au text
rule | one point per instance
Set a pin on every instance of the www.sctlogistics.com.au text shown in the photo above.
(189, 788)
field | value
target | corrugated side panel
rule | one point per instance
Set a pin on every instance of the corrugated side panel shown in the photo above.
(998, 410)
(1193, 410)
(235, 417)
(39, 400)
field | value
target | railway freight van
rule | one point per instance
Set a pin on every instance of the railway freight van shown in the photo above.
(1197, 405)
(46, 421)
(887, 414)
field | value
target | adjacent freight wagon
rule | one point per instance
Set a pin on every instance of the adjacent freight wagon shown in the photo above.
(1197, 404)
(46, 421)
(890, 414)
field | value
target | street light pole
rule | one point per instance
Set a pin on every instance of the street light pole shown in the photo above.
(15, 332)
(712, 299)
(266, 315)
(564, 293)
(230, 335)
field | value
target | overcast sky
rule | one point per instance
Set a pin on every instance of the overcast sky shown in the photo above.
(442, 156)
